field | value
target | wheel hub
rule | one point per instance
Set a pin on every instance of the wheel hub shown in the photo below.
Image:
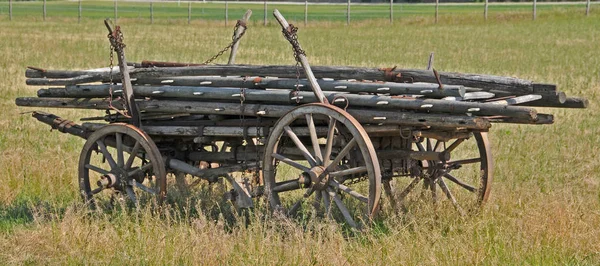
(317, 179)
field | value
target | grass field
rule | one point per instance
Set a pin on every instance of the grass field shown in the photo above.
(545, 202)
(173, 11)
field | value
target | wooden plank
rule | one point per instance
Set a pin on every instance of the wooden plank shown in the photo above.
(376, 117)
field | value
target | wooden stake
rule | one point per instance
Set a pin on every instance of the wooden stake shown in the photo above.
(437, 3)
(348, 13)
(227, 14)
(189, 12)
(44, 10)
(10, 10)
(238, 32)
(79, 14)
(485, 10)
(534, 9)
(116, 12)
(587, 8)
(391, 11)
(303, 60)
(265, 14)
(306, 12)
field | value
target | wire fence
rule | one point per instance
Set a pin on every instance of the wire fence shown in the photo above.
(297, 12)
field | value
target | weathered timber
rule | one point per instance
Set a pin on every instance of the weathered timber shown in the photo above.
(485, 82)
(61, 124)
(570, 102)
(263, 110)
(290, 34)
(427, 89)
(517, 100)
(542, 119)
(354, 100)
(237, 34)
(116, 41)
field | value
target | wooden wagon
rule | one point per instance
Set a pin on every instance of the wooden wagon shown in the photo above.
(328, 140)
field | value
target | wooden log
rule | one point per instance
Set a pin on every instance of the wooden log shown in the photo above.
(485, 82)
(353, 86)
(364, 116)
(570, 102)
(542, 119)
(353, 100)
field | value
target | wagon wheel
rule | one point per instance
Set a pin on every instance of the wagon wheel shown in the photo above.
(463, 182)
(321, 176)
(120, 159)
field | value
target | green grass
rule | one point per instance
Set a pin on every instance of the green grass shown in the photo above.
(545, 202)
(216, 11)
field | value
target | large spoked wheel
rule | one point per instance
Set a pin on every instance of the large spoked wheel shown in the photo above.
(319, 160)
(119, 161)
(462, 183)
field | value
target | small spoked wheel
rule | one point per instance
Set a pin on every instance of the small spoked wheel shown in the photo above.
(119, 161)
(319, 160)
(462, 182)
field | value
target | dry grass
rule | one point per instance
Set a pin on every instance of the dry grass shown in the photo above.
(545, 202)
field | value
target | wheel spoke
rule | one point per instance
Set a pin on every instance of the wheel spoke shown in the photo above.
(342, 154)
(450, 196)
(97, 190)
(342, 208)
(437, 145)
(131, 195)
(433, 189)
(120, 159)
(460, 183)
(350, 171)
(429, 148)
(291, 163)
(465, 161)
(387, 187)
(142, 169)
(298, 203)
(300, 146)
(133, 154)
(96, 169)
(329, 143)
(408, 189)
(349, 191)
(314, 138)
(327, 203)
(107, 155)
(454, 145)
(144, 188)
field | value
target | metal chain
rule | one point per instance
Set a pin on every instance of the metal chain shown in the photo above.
(291, 36)
(234, 40)
(115, 38)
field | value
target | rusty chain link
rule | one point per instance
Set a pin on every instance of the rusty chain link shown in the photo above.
(291, 35)
(234, 40)
(116, 42)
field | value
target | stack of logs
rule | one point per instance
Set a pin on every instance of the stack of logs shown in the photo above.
(184, 93)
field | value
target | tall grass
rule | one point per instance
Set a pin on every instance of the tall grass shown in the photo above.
(545, 202)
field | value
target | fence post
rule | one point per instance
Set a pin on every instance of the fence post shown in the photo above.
(10, 10)
(116, 12)
(485, 10)
(437, 3)
(534, 9)
(189, 12)
(348, 13)
(265, 14)
(44, 10)
(587, 8)
(151, 12)
(226, 12)
(391, 11)
(306, 12)
(79, 14)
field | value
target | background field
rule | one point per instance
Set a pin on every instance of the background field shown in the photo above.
(544, 208)
(174, 11)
